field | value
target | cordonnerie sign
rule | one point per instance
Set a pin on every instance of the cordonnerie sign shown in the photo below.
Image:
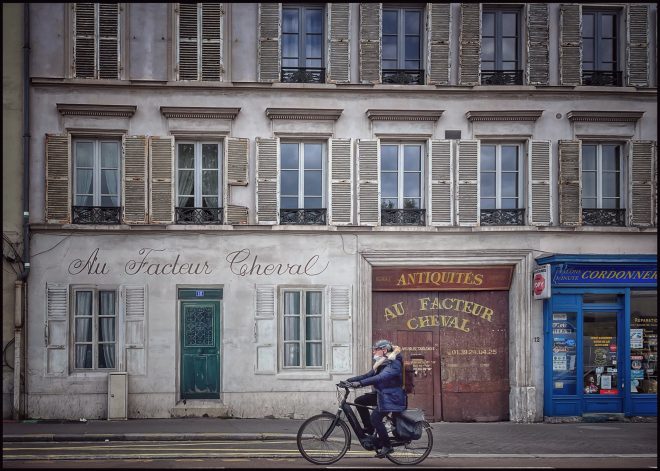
(491, 278)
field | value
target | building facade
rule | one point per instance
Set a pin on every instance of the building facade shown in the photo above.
(231, 202)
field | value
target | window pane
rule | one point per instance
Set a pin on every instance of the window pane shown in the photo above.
(84, 201)
(644, 350)
(83, 329)
(210, 155)
(290, 48)
(509, 50)
(107, 356)
(588, 157)
(411, 203)
(186, 202)
(313, 329)
(314, 302)
(487, 157)
(109, 182)
(488, 51)
(607, 26)
(83, 356)
(600, 361)
(610, 184)
(390, 21)
(509, 24)
(411, 184)
(412, 22)
(606, 51)
(109, 155)
(84, 303)
(291, 302)
(292, 328)
(389, 203)
(389, 50)
(289, 182)
(313, 44)
(106, 329)
(488, 24)
(107, 303)
(112, 201)
(84, 154)
(487, 184)
(412, 48)
(389, 158)
(389, 184)
(289, 20)
(210, 182)
(610, 203)
(588, 26)
(186, 184)
(509, 203)
(312, 203)
(289, 156)
(589, 203)
(587, 51)
(487, 203)
(610, 157)
(291, 354)
(313, 156)
(314, 354)
(314, 21)
(289, 202)
(186, 156)
(313, 183)
(84, 181)
(509, 158)
(412, 158)
(589, 185)
(509, 184)
(210, 202)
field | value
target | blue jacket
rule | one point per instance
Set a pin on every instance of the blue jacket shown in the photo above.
(387, 379)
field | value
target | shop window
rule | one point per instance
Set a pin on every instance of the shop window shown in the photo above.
(402, 46)
(599, 353)
(644, 342)
(94, 329)
(401, 182)
(302, 329)
(302, 188)
(564, 353)
(302, 44)
(602, 183)
(500, 48)
(593, 298)
(500, 184)
(199, 183)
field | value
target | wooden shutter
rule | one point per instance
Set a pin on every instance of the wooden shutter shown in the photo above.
(265, 330)
(570, 188)
(470, 44)
(135, 300)
(538, 71)
(438, 21)
(161, 166)
(235, 214)
(108, 40)
(368, 160)
(58, 178)
(341, 329)
(268, 164)
(570, 48)
(84, 57)
(56, 329)
(540, 198)
(237, 161)
(212, 29)
(468, 183)
(637, 67)
(188, 47)
(341, 181)
(339, 57)
(642, 160)
(270, 31)
(441, 183)
(371, 17)
(134, 183)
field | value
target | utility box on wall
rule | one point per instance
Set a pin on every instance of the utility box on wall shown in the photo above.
(117, 396)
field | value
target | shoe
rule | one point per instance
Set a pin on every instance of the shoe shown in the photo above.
(383, 452)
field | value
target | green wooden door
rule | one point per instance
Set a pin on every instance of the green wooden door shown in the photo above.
(200, 349)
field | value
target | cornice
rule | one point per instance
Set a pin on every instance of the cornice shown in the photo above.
(605, 116)
(189, 112)
(504, 115)
(404, 115)
(304, 113)
(114, 111)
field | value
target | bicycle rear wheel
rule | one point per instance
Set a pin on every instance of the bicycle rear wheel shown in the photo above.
(317, 449)
(414, 451)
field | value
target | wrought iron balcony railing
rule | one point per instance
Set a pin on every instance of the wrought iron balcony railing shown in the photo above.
(403, 76)
(503, 217)
(501, 77)
(198, 215)
(303, 75)
(402, 217)
(96, 214)
(602, 77)
(303, 216)
(603, 217)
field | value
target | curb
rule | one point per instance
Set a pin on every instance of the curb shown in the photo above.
(116, 437)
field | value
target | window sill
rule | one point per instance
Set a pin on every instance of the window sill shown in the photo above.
(304, 375)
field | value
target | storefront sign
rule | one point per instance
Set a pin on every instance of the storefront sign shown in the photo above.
(541, 282)
(442, 279)
(569, 274)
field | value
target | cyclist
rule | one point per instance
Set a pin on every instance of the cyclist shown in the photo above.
(386, 376)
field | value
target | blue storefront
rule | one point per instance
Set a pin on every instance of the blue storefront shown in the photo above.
(601, 335)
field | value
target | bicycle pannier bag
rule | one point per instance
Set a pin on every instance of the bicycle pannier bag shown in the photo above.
(410, 424)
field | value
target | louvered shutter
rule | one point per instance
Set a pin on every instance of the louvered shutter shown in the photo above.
(212, 19)
(341, 181)
(265, 330)
(570, 49)
(642, 160)
(58, 178)
(371, 17)
(161, 165)
(135, 299)
(235, 214)
(236, 174)
(270, 32)
(368, 160)
(468, 183)
(188, 47)
(56, 329)
(134, 183)
(570, 188)
(441, 183)
(540, 198)
(84, 56)
(339, 60)
(637, 70)
(268, 158)
(470, 44)
(438, 19)
(538, 71)
(341, 329)
(108, 40)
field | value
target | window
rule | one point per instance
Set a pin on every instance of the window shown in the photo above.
(599, 48)
(500, 48)
(302, 338)
(644, 342)
(500, 184)
(96, 176)
(602, 180)
(199, 182)
(401, 177)
(199, 47)
(302, 190)
(94, 329)
(96, 45)
(402, 46)
(302, 44)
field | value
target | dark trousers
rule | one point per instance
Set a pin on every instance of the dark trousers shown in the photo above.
(368, 399)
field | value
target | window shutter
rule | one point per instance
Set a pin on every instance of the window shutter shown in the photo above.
(237, 161)
(438, 19)
(371, 17)
(212, 22)
(161, 164)
(270, 31)
(470, 44)
(188, 48)
(108, 40)
(538, 71)
(339, 61)
(134, 188)
(368, 182)
(58, 178)
(135, 325)
(441, 183)
(265, 330)
(570, 188)
(637, 69)
(570, 49)
(56, 329)
(268, 165)
(341, 329)
(341, 181)
(83, 53)
(235, 214)
(540, 198)
(642, 161)
(468, 183)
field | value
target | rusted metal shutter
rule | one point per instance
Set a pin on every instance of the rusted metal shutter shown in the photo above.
(637, 70)
(135, 299)
(56, 329)
(235, 214)
(212, 19)
(368, 182)
(339, 60)
(570, 188)
(188, 46)
(468, 183)
(371, 17)
(341, 329)
(134, 188)
(58, 178)
(268, 157)
(341, 181)
(161, 166)
(108, 40)
(441, 183)
(642, 162)
(265, 329)
(538, 71)
(438, 21)
(540, 198)
(570, 48)
(470, 44)
(84, 56)
(270, 32)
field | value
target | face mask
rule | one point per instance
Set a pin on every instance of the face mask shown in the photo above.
(377, 357)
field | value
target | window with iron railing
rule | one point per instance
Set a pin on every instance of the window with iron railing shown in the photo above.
(500, 184)
(500, 48)
(602, 181)
(198, 183)
(401, 180)
(302, 44)
(302, 191)
(402, 46)
(600, 48)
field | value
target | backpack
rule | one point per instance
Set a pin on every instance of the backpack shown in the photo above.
(409, 424)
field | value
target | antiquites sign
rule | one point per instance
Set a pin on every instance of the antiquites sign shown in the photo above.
(442, 279)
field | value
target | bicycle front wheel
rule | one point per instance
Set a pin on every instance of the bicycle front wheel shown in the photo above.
(414, 451)
(320, 445)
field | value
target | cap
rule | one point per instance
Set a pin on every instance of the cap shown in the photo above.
(383, 344)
